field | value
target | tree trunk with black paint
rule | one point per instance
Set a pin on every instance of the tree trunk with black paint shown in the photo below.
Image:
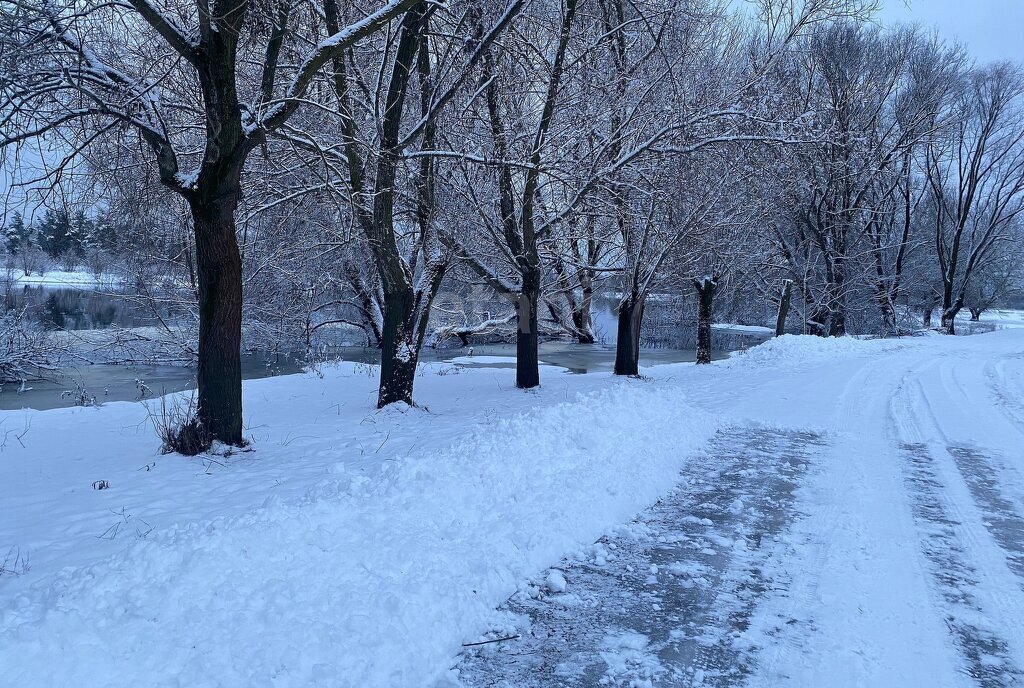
(399, 352)
(627, 340)
(949, 313)
(784, 302)
(705, 299)
(219, 277)
(527, 359)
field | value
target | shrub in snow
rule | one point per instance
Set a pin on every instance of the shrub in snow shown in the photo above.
(26, 352)
(80, 396)
(179, 429)
(14, 563)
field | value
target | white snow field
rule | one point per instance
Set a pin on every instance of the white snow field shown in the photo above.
(810, 513)
(63, 278)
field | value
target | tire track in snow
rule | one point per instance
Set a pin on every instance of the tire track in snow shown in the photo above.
(666, 600)
(990, 479)
(1008, 402)
(1002, 520)
(986, 653)
(967, 568)
(985, 477)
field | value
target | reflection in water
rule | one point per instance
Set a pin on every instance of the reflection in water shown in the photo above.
(123, 383)
(84, 309)
(62, 308)
(136, 382)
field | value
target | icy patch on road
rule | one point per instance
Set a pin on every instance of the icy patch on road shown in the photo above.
(666, 599)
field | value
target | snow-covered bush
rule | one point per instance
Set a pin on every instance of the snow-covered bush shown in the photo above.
(26, 351)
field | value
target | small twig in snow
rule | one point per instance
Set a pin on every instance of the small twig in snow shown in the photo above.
(488, 642)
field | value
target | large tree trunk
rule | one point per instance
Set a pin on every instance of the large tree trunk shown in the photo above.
(219, 272)
(627, 340)
(784, 302)
(527, 359)
(399, 352)
(705, 299)
(817, 323)
(949, 313)
(217, 191)
(976, 314)
(582, 319)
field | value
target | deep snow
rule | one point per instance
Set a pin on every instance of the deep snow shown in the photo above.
(357, 548)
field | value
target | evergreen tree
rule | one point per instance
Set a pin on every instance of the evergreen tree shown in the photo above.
(79, 233)
(17, 235)
(55, 233)
(104, 233)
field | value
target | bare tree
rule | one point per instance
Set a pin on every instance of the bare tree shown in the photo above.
(876, 97)
(975, 173)
(94, 69)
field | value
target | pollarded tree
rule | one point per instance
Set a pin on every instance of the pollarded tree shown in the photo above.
(518, 134)
(200, 85)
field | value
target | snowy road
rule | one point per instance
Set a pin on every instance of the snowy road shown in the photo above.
(664, 598)
(885, 547)
(813, 513)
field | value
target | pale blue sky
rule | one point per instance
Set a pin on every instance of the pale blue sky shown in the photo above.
(991, 29)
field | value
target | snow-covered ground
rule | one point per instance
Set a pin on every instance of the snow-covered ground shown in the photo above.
(999, 319)
(832, 513)
(62, 278)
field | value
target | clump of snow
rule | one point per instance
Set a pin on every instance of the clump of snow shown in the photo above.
(629, 660)
(404, 353)
(555, 582)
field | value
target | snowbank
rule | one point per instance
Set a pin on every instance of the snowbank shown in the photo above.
(366, 579)
(797, 350)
